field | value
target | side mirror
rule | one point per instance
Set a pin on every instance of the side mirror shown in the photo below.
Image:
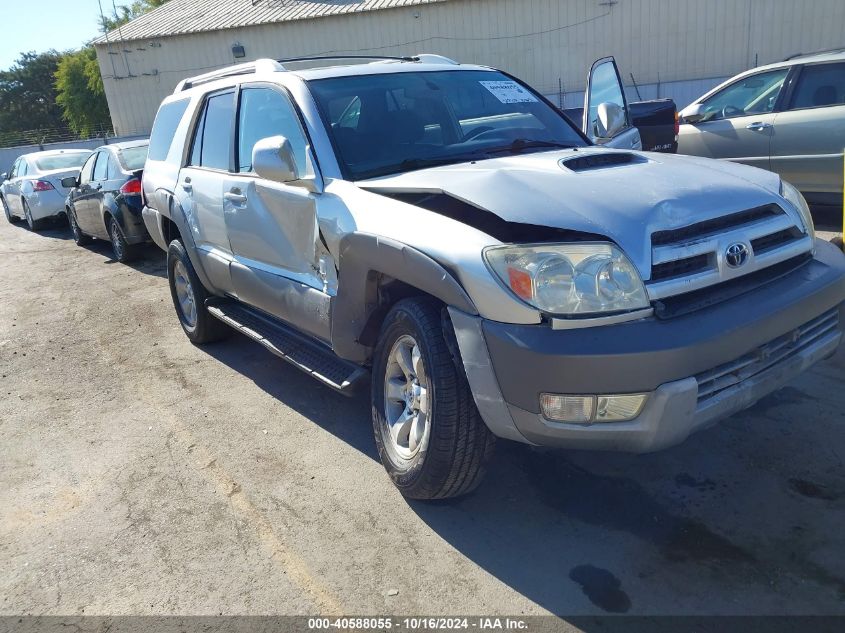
(693, 113)
(4, 177)
(610, 120)
(69, 182)
(273, 159)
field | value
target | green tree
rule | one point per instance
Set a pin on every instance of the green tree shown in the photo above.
(127, 12)
(28, 98)
(79, 92)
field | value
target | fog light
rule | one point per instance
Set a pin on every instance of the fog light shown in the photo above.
(619, 408)
(591, 409)
(560, 408)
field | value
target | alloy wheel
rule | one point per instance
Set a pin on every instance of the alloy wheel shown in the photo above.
(407, 409)
(185, 294)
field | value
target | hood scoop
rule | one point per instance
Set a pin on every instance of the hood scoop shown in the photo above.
(600, 160)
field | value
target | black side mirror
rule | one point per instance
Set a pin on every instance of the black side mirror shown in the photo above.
(70, 182)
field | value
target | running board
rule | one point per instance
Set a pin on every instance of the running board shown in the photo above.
(310, 356)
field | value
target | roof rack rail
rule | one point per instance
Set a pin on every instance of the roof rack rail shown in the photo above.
(259, 65)
(431, 58)
(838, 49)
(424, 58)
(317, 58)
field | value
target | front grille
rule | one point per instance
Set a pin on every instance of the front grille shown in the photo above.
(715, 226)
(680, 267)
(693, 257)
(768, 242)
(713, 382)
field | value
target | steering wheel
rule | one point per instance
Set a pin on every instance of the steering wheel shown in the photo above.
(728, 111)
(478, 132)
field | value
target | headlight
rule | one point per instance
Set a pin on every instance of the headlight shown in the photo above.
(794, 197)
(569, 279)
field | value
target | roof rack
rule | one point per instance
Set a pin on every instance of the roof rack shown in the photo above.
(838, 49)
(259, 65)
(273, 65)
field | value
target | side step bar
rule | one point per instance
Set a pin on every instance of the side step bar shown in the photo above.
(308, 355)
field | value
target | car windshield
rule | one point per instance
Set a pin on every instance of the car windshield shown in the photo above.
(385, 124)
(134, 157)
(61, 161)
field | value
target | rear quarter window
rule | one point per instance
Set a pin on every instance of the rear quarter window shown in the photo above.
(164, 129)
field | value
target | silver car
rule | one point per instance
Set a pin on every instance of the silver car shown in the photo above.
(33, 189)
(787, 117)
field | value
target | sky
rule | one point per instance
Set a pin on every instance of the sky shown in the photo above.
(46, 24)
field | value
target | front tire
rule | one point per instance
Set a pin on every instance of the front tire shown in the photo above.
(11, 218)
(429, 434)
(189, 297)
(34, 225)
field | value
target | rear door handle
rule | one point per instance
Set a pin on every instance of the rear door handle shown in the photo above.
(759, 125)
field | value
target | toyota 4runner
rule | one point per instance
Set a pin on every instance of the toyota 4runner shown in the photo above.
(444, 231)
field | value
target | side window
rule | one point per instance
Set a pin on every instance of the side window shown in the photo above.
(604, 88)
(87, 170)
(164, 128)
(216, 132)
(818, 86)
(114, 170)
(266, 112)
(15, 168)
(756, 94)
(101, 169)
(23, 168)
(196, 143)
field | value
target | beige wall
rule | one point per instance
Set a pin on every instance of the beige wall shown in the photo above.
(537, 40)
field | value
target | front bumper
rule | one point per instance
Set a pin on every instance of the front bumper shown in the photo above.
(697, 368)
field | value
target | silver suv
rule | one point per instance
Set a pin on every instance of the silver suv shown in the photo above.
(444, 230)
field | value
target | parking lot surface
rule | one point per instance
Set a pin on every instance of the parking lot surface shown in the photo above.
(142, 475)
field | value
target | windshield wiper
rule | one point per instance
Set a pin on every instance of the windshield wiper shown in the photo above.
(410, 164)
(521, 144)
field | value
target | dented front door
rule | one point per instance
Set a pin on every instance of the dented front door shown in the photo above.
(272, 226)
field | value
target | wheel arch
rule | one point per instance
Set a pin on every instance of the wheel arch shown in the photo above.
(375, 273)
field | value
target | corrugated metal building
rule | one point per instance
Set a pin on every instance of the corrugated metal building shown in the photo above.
(673, 48)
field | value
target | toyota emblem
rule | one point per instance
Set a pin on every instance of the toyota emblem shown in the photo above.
(736, 255)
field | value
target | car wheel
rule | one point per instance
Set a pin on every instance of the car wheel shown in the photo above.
(429, 434)
(11, 218)
(34, 225)
(123, 251)
(78, 236)
(189, 297)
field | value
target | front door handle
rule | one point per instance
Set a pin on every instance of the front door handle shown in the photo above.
(235, 196)
(758, 126)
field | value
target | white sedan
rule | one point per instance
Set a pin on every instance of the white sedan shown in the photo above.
(33, 189)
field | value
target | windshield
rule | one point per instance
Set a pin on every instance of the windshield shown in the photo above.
(134, 157)
(61, 161)
(385, 124)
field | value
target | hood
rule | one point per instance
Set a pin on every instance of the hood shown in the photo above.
(624, 196)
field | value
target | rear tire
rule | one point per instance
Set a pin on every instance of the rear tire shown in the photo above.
(189, 297)
(13, 219)
(446, 453)
(79, 237)
(122, 250)
(34, 225)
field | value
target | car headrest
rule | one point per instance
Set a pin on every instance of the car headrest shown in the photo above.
(824, 95)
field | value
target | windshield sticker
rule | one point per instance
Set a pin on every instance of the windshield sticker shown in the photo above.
(509, 92)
